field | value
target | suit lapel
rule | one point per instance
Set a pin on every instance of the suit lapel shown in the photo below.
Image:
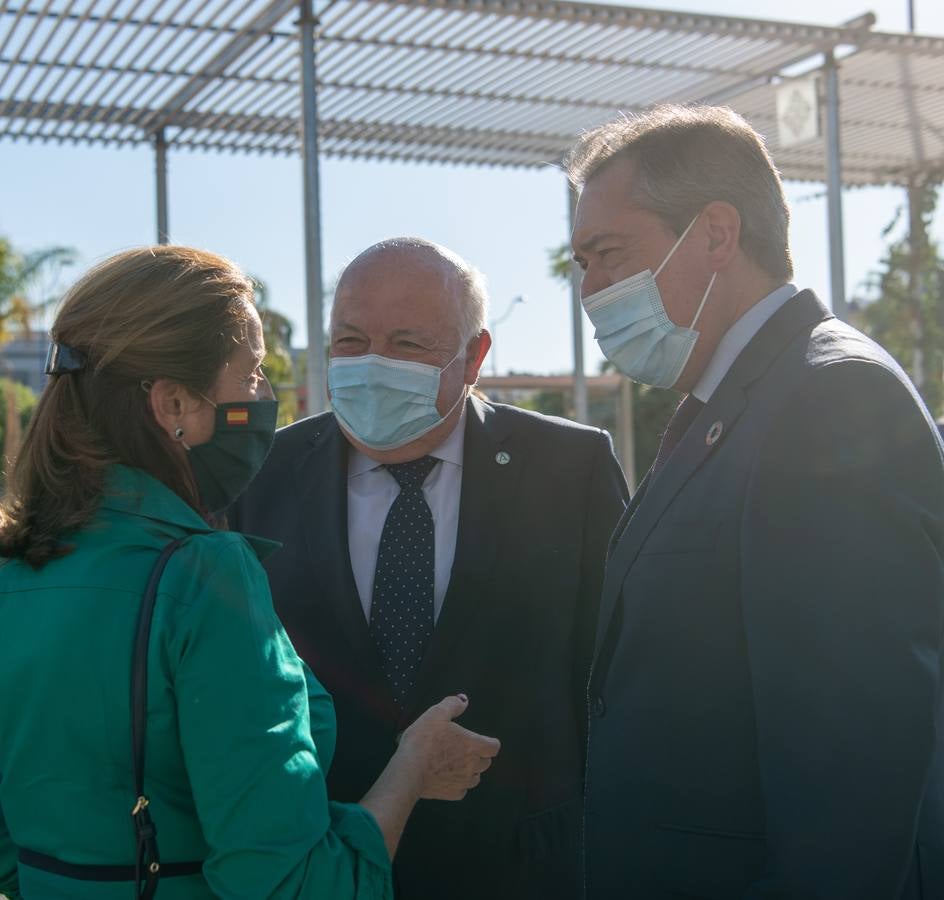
(694, 448)
(628, 513)
(699, 442)
(488, 486)
(323, 471)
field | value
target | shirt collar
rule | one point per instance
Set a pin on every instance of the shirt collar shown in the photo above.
(450, 450)
(134, 492)
(737, 337)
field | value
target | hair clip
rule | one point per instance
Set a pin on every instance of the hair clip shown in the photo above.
(62, 359)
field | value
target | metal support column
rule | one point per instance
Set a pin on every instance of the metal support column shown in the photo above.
(837, 263)
(916, 253)
(316, 376)
(576, 309)
(160, 165)
(627, 434)
(917, 245)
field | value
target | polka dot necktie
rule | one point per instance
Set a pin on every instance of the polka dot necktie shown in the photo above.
(401, 611)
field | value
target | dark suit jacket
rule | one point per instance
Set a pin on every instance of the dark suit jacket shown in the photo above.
(766, 690)
(515, 634)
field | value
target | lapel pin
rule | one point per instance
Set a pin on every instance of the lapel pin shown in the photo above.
(714, 433)
(503, 457)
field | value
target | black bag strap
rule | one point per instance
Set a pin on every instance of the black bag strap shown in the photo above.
(147, 858)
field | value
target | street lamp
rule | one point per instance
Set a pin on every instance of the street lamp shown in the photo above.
(493, 327)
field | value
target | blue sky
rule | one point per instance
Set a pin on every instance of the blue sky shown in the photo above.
(101, 201)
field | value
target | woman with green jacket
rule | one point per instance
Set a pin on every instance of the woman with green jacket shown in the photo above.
(156, 416)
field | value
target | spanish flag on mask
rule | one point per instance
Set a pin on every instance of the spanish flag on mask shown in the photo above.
(237, 416)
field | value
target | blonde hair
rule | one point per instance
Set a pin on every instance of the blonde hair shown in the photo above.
(152, 312)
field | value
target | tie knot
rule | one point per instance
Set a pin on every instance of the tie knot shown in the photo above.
(686, 412)
(684, 415)
(412, 474)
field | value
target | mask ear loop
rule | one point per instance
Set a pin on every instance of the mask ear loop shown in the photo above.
(701, 305)
(675, 246)
(463, 394)
(459, 353)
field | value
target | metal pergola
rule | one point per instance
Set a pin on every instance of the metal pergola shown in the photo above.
(480, 82)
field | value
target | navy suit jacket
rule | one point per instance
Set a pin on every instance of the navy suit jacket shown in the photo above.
(766, 690)
(515, 633)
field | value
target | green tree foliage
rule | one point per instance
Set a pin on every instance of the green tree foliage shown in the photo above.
(24, 284)
(277, 331)
(560, 262)
(548, 403)
(27, 287)
(907, 315)
(21, 405)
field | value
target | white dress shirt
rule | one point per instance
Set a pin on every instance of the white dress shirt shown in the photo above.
(371, 490)
(737, 337)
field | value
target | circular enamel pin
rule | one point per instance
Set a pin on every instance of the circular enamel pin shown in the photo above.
(503, 457)
(714, 433)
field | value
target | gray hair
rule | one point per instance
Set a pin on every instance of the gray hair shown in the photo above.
(685, 158)
(473, 299)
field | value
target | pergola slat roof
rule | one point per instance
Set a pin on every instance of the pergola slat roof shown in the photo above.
(892, 109)
(493, 82)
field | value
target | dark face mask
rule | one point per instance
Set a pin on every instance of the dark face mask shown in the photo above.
(225, 465)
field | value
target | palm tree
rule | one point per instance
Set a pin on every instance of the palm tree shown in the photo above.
(905, 313)
(277, 331)
(21, 276)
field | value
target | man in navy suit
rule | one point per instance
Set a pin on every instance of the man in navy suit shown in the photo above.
(435, 542)
(765, 694)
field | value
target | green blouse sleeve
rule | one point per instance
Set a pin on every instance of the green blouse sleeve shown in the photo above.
(9, 885)
(323, 721)
(246, 736)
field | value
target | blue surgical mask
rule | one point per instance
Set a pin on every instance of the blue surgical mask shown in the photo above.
(386, 403)
(635, 332)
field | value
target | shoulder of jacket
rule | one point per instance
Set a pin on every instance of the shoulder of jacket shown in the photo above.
(207, 553)
(833, 341)
(212, 569)
(304, 430)
(848, 392)
(544, 425)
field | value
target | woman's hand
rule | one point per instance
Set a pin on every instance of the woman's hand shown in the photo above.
(449, 760)
(436, 760)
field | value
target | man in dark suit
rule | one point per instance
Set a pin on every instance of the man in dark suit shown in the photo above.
(765, 695)
(438, 543)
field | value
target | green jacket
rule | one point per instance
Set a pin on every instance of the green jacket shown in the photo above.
(240, 735)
